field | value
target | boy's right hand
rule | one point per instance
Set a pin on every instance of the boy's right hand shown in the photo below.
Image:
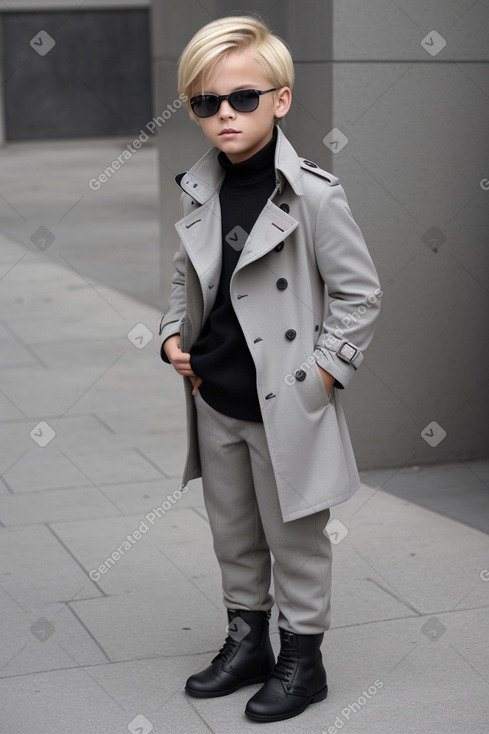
(181, 360)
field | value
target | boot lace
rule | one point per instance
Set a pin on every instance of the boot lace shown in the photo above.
(227, 650)
(284, 666)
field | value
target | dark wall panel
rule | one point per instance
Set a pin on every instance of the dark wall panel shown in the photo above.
(94, 82)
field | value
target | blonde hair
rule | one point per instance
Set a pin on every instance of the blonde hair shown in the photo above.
(235, 33)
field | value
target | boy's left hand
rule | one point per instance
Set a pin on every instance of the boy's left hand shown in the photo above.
(328, 380)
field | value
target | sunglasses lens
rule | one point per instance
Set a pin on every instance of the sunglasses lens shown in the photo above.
(204, 105)
(244, 100)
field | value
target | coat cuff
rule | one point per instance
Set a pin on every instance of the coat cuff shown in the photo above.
(166, 331)
(339, 357)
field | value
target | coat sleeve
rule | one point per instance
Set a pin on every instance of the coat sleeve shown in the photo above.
(354, 293)
(171, 321)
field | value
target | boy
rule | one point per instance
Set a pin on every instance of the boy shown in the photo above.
(273, 302)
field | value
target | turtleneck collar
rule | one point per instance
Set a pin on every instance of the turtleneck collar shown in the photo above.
(254, 170)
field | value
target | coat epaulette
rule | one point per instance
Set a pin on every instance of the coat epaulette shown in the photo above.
(312, 167)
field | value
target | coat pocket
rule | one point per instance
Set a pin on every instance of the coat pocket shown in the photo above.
(309, 383)
(322, 386)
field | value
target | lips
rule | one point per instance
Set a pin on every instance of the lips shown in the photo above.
(228, 131)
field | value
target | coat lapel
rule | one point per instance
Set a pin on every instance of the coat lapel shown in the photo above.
(272, 226)
(201, 235)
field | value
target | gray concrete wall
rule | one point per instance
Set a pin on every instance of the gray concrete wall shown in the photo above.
(414, 168)
(418, 150)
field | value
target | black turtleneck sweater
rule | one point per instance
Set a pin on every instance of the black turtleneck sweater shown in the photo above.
(220, 355)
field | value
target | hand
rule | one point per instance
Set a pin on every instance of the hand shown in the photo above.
(181, 361)
(327, 379)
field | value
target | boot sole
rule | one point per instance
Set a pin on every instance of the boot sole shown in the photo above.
(319, 696)
(217, 694)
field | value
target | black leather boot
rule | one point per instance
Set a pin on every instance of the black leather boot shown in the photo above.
(299, 678)
(245, 658)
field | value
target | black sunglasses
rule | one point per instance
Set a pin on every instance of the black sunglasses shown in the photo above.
(243, 100)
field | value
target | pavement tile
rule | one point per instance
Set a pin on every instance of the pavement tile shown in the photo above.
(44, 638)
(13, 354)
(167, 452)
(103, 699)
(89, 352)
(111, 464)
(169, 417)
(59, 702)
(441, 487)
(155, 589)
(36, 391)
(37, 570)
(71, 431)
(35, 469)
(45, 301)
(420, 567)
(27, 508)
(50, 467)
(141, 497)
(8, 410)
(10, 253)
(37, 506)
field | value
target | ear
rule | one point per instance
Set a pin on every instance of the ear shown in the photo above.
(283, 102)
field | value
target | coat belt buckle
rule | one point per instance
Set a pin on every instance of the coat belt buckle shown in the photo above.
(347, 352)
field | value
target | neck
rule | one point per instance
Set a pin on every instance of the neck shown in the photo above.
(254, 169)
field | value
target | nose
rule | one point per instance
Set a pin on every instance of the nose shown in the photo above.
(226, 112)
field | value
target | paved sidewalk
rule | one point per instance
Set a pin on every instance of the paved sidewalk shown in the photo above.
(92, 444)
(110, 233)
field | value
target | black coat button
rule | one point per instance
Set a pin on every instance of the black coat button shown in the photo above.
(285, 208)
(282, 284)
(290, 334)
(279, 247)
(300, 375)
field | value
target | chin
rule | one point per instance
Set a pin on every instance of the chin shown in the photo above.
(231, 146)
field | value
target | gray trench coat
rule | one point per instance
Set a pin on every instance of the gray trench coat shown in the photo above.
(305, 292)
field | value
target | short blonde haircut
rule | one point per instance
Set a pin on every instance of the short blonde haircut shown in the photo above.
(235, 33)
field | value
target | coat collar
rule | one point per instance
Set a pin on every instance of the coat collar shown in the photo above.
(204, 179)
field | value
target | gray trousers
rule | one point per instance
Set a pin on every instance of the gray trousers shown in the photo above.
(241, 500)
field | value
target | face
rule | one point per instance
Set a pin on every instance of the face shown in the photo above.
(247, 132)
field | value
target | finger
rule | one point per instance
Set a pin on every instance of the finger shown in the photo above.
(181, 361)
(185, 371)
(181, 365)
